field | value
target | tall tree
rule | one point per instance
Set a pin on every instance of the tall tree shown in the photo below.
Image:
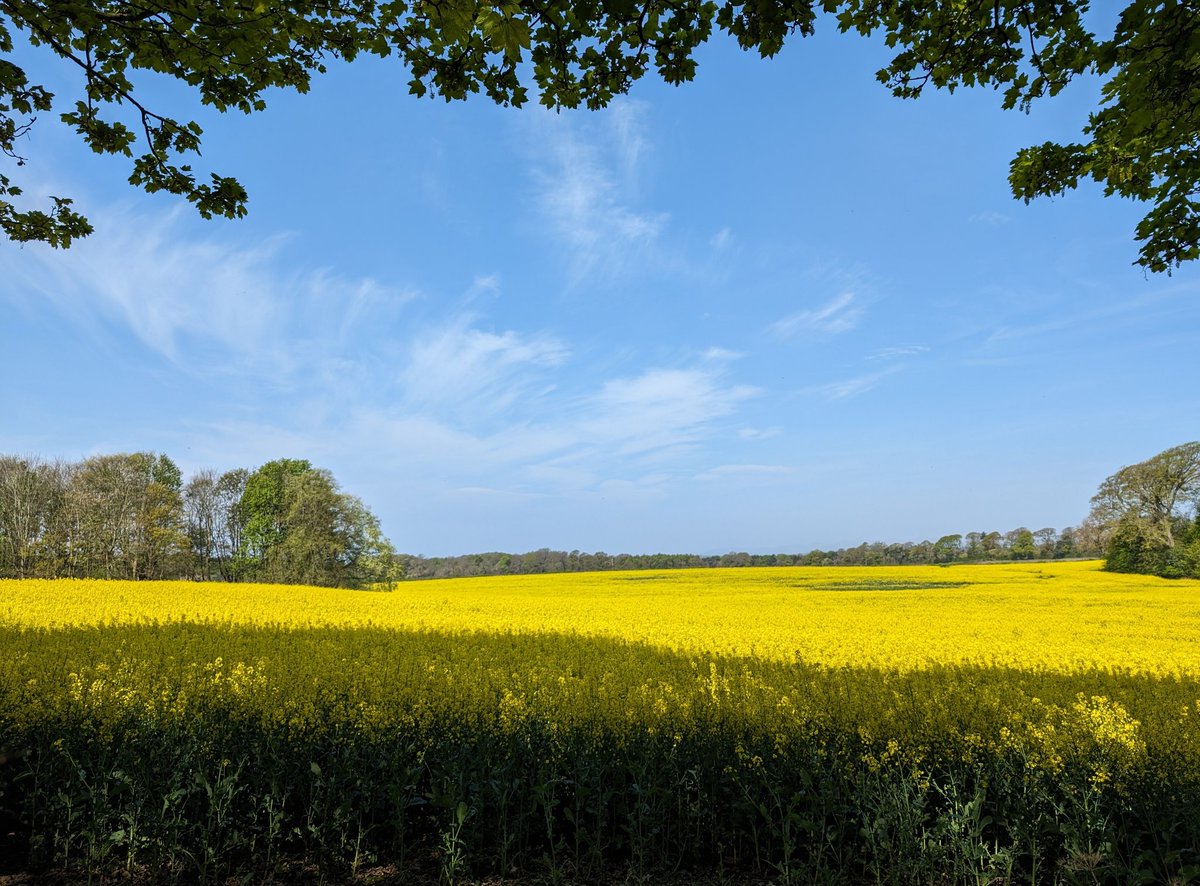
(126, 517)
(1046, 539)
(948, 548)
(231, 523)
(264, 505)
(1021, 544)
(301, 528)
(212, 508)
(992, 546)
(1141, 142)
(311, 546)
(162, 546)
(371, 560)
(1155, 493)
(1148, 512)
(202, 516)
(1068, 544)
(101, 503)
(31, 497)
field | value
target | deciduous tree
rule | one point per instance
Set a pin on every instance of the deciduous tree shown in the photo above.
(125, 517)
(1021, 544)
(264, 506)
(948, 548)
(1148, 512)
(31, 499)
(301, 528)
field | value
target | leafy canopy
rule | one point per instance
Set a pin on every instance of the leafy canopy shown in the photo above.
(1140, 142)
(1151, 513)
(300, 528)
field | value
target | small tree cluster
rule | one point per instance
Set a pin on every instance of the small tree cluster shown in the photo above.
(131, 516)
(1149, 514)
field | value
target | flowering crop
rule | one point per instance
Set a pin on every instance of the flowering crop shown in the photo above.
(698, 717)
(1059, 617)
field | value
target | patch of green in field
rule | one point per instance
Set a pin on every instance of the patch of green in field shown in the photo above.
(882, 584)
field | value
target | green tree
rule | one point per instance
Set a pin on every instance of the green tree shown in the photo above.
(1148, 513)
(1141, 142)
(125, 518)
(161, 549)
(1022, 546)
(974, 546)
(992, 546)
(231, 523)
(1156, 493)
(311, 546)
(371, 560)
(947, 549)
(264, 505)
(1046, 539)
(210, 504)
(1132, 549)
(31, 501)
(1067, 544)
(299, 527)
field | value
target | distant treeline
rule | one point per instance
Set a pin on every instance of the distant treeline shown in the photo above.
(972, 547)
(132, 516)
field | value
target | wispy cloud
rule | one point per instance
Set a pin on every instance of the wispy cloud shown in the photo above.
(177, 294)
(662, 408)
(1091, 319)
(745, 471)
(626, 120)
(461, 370)
(493, 493)
(759, 433)
(722, 355)
(585, 185)
(840, 314)
(383, 386)
(851, 387)
(632, 436)
(473, 409)
(898, 352)
(482, 287)
(990, 218)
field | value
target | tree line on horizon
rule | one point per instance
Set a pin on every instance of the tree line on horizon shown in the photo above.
(132, 516)
(971, 547)
(1145, 518)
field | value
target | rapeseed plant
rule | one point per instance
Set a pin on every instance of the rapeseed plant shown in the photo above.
(769, 719)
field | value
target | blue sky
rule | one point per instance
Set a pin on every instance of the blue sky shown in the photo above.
(771, 310)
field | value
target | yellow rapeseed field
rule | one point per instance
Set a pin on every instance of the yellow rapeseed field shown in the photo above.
(983, 723)
(1058, 617)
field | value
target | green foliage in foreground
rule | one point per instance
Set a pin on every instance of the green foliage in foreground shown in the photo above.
(1139, 142)
(203, 752)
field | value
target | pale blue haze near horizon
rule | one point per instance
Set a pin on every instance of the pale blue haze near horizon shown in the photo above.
(773, 309)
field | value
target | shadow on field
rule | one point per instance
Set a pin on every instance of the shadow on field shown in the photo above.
(211, 753)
